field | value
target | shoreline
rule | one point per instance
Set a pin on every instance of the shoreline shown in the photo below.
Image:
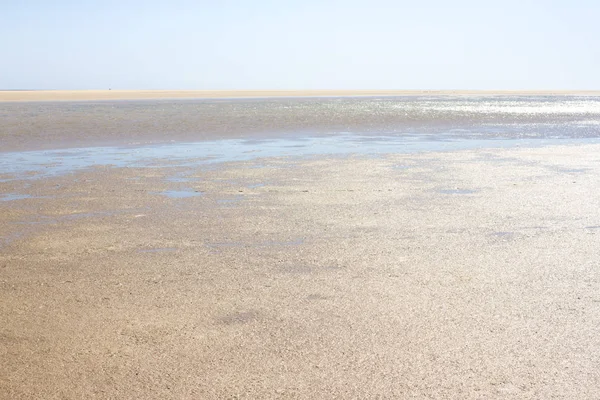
(92, 95)
(63, 124)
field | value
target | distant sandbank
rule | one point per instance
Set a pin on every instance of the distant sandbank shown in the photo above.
(82, 95)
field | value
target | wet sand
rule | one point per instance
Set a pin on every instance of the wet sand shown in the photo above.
(51, 125)
(466, 274)
(94, 95)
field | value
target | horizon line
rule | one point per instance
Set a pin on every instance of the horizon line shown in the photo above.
(19, 95)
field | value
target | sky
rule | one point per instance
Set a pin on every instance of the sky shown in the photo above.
(300, 44)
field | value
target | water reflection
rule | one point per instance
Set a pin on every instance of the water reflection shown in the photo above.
(39, 164)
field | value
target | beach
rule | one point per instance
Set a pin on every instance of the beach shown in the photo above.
(328, 248)
(98, 95)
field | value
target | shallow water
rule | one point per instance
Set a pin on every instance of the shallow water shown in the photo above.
(181, 194)
(204, 132)
(41, 164)
(14, 196)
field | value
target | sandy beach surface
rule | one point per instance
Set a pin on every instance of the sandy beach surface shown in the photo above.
(78, 95)
(449, 274)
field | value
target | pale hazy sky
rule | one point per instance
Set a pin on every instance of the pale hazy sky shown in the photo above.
(299, 44)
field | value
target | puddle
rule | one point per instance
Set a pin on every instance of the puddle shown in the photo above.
(268, 243)
(255, 185)
(14, 196)
(573, 170)
(181, 194)
(456, 191)
(158, 250)
(503, 235)
(177, 179)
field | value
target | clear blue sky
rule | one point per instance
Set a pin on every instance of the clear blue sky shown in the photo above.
(299, 44)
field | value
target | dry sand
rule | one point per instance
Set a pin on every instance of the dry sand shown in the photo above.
(77, 95)
(462, 275)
